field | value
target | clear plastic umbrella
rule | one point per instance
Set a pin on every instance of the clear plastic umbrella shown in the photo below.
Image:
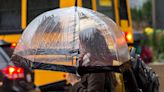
(62, 36)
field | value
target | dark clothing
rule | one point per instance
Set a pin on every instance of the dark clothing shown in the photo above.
(22, 62)
(95, 82)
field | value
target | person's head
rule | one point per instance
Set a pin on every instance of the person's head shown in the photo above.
(92, 41)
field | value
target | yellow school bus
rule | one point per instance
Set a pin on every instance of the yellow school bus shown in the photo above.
(17, 14)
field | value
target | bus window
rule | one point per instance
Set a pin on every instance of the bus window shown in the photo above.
(87, 4)
(106, 7)
(123, 10)
(37, 7)
(10, 16)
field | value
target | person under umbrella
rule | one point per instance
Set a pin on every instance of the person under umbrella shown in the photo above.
(93, 52)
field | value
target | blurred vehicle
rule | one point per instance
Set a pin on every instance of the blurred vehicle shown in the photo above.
(17, 14)
(12, 78)
(4, 60)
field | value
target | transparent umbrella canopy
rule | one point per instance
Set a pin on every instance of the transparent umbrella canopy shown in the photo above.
(59, 36)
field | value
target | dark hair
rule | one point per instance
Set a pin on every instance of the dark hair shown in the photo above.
(93, 42)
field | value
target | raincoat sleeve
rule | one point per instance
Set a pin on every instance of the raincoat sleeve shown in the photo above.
(21, 62)
(90, 83)
(25, 63)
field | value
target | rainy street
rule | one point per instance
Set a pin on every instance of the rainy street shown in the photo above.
(81, 46)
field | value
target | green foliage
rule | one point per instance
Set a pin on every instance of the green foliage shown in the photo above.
(161, 42)
(147, 12)
(148, 39)
(143, 14)
(161, 57)
(136, 15)
(159, 47)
